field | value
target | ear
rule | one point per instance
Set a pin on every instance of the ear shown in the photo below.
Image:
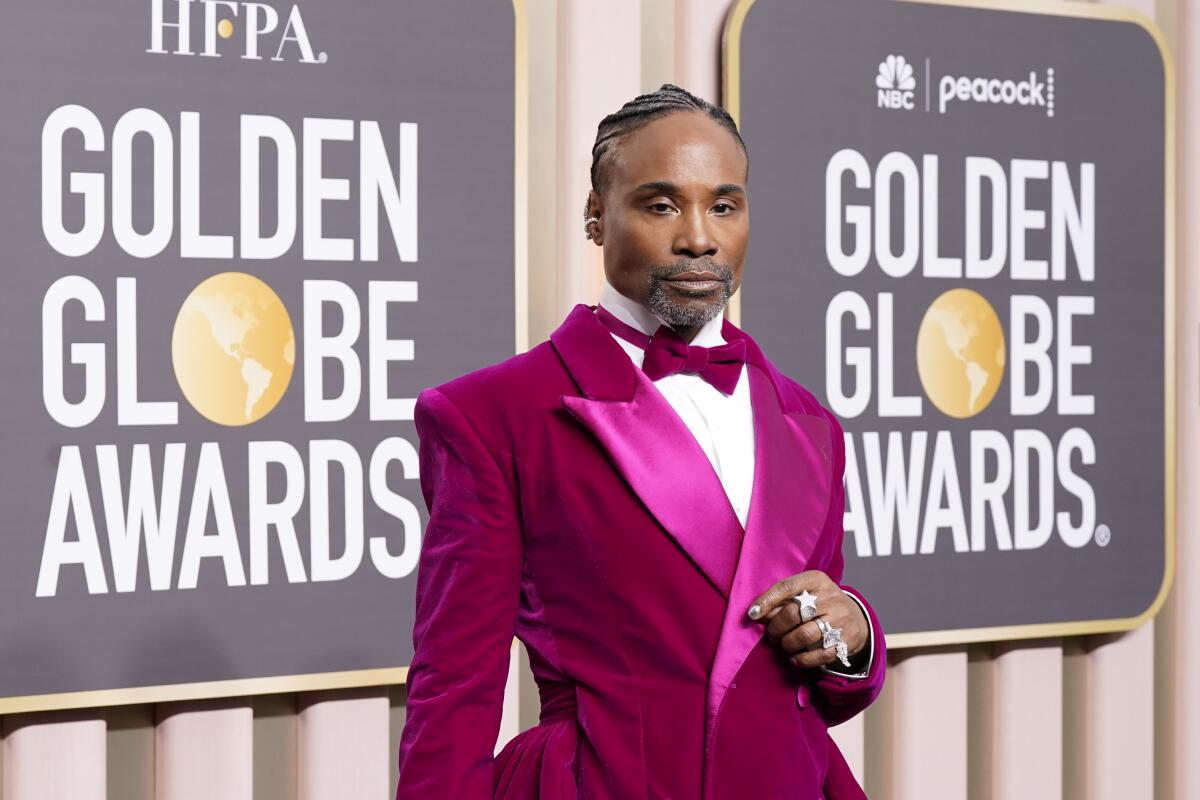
(595, 208)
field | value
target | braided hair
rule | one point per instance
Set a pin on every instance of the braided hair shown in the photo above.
(643, 109)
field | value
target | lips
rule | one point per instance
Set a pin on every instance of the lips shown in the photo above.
(695, 281)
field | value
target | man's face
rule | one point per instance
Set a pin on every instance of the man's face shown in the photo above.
(675, 218)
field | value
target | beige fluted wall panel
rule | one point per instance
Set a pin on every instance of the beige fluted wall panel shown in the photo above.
(397, 698)
(510, 717)
(543, 218)
(1117, 730)
(599, 69)
(204, 749)
(1180, 621)
(928, 736)
(698, 28)
(55, 756)
(658, 44)
(850, 738)
(343, 745)
(1024, 723)
(916, 732)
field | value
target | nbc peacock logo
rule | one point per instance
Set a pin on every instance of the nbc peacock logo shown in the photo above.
(895, 83)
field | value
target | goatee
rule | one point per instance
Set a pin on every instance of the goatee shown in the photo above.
(664, 301)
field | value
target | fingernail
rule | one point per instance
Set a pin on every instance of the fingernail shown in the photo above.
(755, 610)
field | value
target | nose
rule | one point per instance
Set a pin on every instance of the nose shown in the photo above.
(692, 237)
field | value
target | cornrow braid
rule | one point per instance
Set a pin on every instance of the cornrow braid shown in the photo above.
(641, 110)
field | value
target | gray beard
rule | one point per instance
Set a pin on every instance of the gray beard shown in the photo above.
(661, 301)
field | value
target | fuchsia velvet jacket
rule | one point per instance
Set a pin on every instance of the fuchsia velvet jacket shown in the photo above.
(571, 507)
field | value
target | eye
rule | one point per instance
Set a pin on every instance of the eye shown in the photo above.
(657, 206)
(724, 205)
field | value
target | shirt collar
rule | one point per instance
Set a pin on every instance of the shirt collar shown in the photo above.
(638, 316)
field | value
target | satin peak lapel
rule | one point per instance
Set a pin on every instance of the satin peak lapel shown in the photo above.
(788, 506)
(650, 446)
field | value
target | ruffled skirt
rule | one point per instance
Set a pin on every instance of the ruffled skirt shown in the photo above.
(539, 764)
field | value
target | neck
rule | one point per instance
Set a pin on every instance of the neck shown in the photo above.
(688, 334)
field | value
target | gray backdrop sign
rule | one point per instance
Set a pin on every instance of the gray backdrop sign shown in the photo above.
(239, 238)
(959, 227)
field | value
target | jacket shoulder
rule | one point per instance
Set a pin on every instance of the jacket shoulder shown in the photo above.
(519, 372)
(795, 394)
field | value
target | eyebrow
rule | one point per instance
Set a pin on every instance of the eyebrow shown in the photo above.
(666, 187)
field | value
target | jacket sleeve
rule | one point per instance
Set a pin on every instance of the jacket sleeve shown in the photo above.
(467, 594)
(838, 697)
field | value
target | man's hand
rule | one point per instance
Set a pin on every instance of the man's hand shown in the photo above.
(802, 641)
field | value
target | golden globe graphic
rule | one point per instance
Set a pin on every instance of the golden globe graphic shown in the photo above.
(233, 348)
(960, 353)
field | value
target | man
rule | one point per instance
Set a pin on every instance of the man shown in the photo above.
(653, 509)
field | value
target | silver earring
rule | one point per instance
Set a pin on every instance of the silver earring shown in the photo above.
(588, 221)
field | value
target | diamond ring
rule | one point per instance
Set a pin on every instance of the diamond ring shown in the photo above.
(843, 653)
(830, 635)
(808, 605)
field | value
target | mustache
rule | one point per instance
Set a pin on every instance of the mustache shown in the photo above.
(661, 272)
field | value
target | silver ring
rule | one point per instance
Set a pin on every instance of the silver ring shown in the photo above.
(830, 636)
(843, 653)
(808, 605)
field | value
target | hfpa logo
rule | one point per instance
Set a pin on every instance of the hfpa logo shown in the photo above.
(895, 83)
(220, 18)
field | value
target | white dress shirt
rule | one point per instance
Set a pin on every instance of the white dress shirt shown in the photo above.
(722, 424)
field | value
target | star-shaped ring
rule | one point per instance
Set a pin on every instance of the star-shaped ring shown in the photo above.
(808, 605)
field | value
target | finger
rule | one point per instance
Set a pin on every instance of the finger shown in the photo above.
(814, 658)
(844, 614)
(783, 618)
(801, 639)
(781, 591)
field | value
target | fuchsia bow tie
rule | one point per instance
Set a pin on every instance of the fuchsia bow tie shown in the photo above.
(667, 353)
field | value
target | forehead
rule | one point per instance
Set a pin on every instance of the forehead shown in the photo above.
(686, 147)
